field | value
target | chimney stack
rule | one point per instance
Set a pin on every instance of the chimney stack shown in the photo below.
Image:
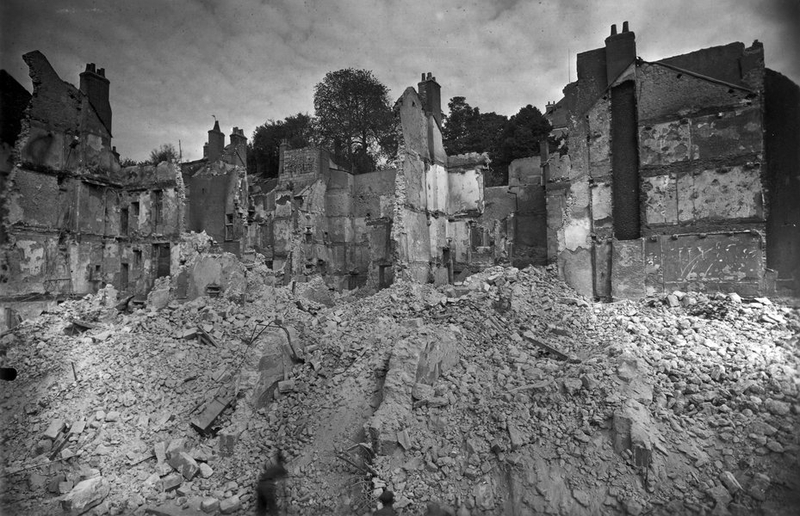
(95, 86)
(284, 146)
(239, 143)
(620, 52)
(216, 143)
(431, 94)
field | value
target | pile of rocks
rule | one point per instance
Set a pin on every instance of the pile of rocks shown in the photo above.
(507, 393)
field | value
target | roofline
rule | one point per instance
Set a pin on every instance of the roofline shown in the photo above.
(699, 76)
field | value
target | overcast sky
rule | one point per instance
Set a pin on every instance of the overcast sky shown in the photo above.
(173, 64)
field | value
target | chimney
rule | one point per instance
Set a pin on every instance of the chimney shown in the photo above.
(431, 94)
(95, 86)
(216, 143)
(281, 151)
(239, 143)
(620, 52)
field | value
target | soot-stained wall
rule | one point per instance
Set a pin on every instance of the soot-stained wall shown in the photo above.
(673, 157)
(625, 162)
(75, 219)
(782, 125)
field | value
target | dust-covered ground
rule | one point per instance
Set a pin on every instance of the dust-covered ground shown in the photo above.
(506, 394)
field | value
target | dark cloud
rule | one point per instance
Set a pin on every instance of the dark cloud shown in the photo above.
(174, 64)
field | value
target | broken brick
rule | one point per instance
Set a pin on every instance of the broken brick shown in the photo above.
(85, 495)
(55, 428)
(286, 386)
(209, 505)
(184, 464)
(170, 482)
(160, 449)
(230, 505)
(205, 470)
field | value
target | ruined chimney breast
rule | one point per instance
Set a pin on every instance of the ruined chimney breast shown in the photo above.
(96, 87)
(216, 143)
(430, 93)
(620, 52)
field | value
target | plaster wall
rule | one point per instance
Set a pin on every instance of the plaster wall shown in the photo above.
(724, 262)
(664, 94)
(525, 171)
(413, 123)
(782, 148)
(465, 191)
(373, 194)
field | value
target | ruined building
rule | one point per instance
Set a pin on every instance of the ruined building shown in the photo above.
(426, 218)
(73, 220)
(675, 174)
(216, 190)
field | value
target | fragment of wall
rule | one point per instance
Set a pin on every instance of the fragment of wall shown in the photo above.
(373, 208)
(589, 149)
(782, 147)
(62, 130)
(215, 202)
(701, 155)
(198, 267)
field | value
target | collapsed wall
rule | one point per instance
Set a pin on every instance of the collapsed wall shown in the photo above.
(662, 182)
(74, 219)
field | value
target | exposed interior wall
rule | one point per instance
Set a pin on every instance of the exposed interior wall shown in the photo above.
(661, 183)
(437, 198)
(218, 205)
(516, 217)
(75, 220)
(701, 153)
(782, 146)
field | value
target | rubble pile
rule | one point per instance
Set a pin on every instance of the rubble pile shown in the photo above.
(504, 394)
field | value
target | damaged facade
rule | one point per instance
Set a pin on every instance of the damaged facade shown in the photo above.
(73, 219)
(678, 174)
(675, 174)
(426, 218)
(217, 191)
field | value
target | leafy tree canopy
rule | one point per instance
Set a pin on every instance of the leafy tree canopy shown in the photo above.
(523, 134)
(354, 118)
(263, 157)
(505, 139)
(165, 152)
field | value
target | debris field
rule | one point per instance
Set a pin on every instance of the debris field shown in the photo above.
(505, 393)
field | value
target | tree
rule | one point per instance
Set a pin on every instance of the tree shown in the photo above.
(354, 118)
(263, 157)
(128, 162)
(466, 129)
(523, 134)
(459, 126)
(165, 152)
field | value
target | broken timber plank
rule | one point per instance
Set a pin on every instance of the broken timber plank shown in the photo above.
(123, 305)
(205, 336)
(550, 349)
(150, 454)
(84, 325)
(59, 444)
(211, 411)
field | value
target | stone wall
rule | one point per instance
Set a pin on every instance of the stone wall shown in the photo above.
(662, 182)
(218, 205)
(782, 149)
(75, 220)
